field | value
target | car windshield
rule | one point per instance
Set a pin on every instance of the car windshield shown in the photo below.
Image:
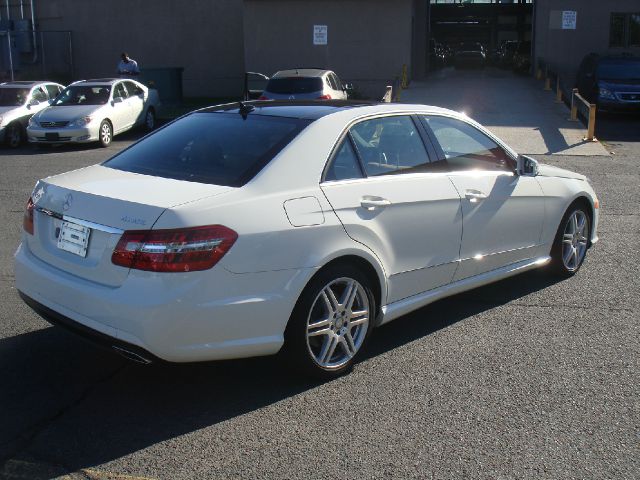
(13, 97)
(294, 85)
(210, 147)
(83, 95)
(619, 70)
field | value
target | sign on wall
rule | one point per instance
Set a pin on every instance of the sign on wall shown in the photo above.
(569, 18)
(319, 34)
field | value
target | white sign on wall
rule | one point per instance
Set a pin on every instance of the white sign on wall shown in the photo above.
(319, 34)
(569, 18)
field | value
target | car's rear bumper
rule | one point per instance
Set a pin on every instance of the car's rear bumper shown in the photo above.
(196, 316)
(618, 106)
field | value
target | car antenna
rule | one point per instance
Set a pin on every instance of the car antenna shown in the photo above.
(245, 109)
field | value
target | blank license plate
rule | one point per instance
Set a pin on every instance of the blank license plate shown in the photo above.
(74, 238)
(51, 136)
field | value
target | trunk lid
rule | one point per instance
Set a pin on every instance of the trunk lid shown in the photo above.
(100, 203)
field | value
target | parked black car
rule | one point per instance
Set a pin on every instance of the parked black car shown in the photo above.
(470, 54)
(506, 51)
(612, 82)
(522, 57)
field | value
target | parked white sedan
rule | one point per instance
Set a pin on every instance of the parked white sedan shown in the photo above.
(20, 100)
(240, 229)
(95, 110)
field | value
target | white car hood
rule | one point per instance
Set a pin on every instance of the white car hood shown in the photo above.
(550, 171)
(66, 113)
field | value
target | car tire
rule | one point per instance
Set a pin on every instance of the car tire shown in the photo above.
(14, 135)
(150, 119)
(571, 242)
(330, 323)
(105, 134)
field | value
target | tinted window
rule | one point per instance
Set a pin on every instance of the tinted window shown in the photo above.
(467, 148)
(332, 82)
(119, 91)
(619, 70)
(390, 145)
(337, 80)
(13, 97)
(215, 148)
(84, 95)
(294, 85)
(344, 164)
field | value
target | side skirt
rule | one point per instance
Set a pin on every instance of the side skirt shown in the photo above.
(402, 307)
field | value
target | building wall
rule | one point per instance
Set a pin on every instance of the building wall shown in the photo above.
(566, 48)
(368, 40)
(203, 36)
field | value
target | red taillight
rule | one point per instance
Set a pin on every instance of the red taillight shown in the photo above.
(27, 220)
(262, 97)
(179, 250)
(325, 97)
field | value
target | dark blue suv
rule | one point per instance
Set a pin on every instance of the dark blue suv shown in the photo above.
(611, 82)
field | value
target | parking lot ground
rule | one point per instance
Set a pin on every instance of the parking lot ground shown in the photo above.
(514, 107)
(529, 378)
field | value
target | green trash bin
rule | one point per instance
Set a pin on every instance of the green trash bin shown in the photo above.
(167, 80)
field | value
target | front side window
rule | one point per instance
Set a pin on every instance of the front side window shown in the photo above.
(210, 147)
(39, 95)
(119, 91)
(466, 148)
(390, 145)
(52, 90)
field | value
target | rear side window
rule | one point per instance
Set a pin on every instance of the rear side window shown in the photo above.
(390, 145)
(294, 85)
(344, 165)
(210, 147)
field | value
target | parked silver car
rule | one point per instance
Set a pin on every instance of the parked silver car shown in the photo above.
(95, 110)
(305, 84)
(18, 102)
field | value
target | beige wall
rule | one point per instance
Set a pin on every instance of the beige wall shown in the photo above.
(368, 40)
(203, 36)
(566, 48)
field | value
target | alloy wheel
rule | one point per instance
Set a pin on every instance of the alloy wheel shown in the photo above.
(574, 240)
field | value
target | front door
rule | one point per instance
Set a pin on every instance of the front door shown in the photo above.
(502, 212)
(391, 198)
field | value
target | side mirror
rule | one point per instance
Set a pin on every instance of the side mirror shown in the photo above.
(116, 100)
(527, 166)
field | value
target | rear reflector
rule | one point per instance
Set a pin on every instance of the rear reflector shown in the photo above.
(27, 220)
(176, 250)
(325, 97)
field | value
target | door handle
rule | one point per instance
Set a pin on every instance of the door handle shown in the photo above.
(371, 203)
(475, 195)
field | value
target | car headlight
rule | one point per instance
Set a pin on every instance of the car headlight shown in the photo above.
(33, 122)
(606, 93)
(81, 122)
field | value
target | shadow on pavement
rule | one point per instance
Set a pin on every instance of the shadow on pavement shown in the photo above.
(68, 403)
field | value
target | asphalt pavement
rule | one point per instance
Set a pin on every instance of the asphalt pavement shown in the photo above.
(527, 378)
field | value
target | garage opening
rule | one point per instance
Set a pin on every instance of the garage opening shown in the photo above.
(479, 33)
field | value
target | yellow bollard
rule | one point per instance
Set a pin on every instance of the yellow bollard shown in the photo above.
(574, 107)
(558, 91)
(591, 127)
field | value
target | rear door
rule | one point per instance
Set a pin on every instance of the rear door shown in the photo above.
(136, 101)
(503, 212)
(391, 198)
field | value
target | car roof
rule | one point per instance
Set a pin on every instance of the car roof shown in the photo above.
(619, 59)
(99, 81)
(301, 72)
(26, 83)
(315, 109)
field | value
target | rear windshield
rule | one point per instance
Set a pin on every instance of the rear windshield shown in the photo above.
(210, 147)
(619, 70)
(294, 85)
(13, 97)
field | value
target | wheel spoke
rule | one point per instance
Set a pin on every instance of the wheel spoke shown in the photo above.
(330, 305)
(349, 295)
(322, 331)
(574, 223)
(328, 347)
(349, 345)
(358, 318)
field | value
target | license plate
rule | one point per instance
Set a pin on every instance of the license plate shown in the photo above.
(51, 136)
(74, 238)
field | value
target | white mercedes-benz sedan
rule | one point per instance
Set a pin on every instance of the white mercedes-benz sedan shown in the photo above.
(94, 111)
(247, 229)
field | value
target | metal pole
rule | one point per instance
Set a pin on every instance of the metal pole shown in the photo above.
(44, 69)
(8, 11)
(71, 69)
(10, 53)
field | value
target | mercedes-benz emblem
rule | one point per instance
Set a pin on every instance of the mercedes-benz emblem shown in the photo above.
(68, 200)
